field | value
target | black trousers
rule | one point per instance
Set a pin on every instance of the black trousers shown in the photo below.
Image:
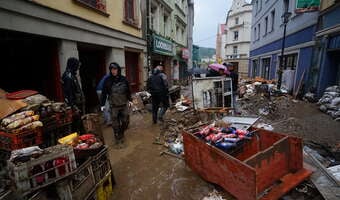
(120, 121)
(157, 99)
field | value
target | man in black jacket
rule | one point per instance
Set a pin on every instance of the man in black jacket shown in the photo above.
(73, 94)
(157, 85)
(117, 89)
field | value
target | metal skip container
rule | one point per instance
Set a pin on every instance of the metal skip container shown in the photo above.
(266, 167)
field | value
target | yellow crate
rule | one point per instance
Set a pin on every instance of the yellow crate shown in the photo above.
(104, 187)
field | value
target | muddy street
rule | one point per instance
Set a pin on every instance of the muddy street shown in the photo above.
(140, 171)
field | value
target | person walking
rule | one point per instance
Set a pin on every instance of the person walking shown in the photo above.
(117, 90)
(106, 112)
(157, 85)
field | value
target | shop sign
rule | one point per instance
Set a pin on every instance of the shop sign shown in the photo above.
(185, 53)
(307, 5)
(162, 46)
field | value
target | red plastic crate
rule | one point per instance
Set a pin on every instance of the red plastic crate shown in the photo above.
(12, 141)
(64, 117)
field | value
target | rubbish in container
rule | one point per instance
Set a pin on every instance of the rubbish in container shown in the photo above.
(224, 138)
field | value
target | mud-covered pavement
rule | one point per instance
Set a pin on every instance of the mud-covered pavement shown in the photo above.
(140, 171)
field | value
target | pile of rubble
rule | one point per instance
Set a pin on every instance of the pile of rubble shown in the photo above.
(330, 102)
(266, 106)
(251, 87)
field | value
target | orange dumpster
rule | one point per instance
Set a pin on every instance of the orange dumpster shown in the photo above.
(266, 167)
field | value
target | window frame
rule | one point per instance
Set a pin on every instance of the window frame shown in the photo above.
(97, 5)
(236, 35)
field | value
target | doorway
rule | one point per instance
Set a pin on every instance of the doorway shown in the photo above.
(92, 69)
(30, 62)
(132, 70)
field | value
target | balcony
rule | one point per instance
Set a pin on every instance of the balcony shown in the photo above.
(236, 26)
(237, 56)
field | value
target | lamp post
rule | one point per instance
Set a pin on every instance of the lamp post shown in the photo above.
(285, 18)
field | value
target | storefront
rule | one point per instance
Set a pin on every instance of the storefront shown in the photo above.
(162, 54)
(133, 66)
(29, 62)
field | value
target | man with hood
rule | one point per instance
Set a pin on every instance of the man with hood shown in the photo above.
(73, 94)
(157, 85)
(117, 90)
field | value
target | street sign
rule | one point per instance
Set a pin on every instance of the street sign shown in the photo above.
(307, 5)
(162, 46)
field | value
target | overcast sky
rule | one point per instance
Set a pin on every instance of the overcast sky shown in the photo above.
(208, 14)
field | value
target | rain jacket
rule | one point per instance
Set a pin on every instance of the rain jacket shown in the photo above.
(157, 83)
(117, 89)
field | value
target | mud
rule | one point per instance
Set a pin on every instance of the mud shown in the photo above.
(297, 118)
(141, 173)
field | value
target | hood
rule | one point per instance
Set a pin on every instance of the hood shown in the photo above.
(72, 65)
(156, 71)
(116, 65)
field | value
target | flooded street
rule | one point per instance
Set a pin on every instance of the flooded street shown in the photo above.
(140, 171)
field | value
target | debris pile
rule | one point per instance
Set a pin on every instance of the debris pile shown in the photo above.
(330, 102)
(173, 126)
(251, 87)
(268, 107)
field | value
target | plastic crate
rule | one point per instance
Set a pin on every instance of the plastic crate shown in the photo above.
(52, 134)
(12, 141)
(26, 180)
(104, 187)
(64, 117)
(101, 164)
(82, 183)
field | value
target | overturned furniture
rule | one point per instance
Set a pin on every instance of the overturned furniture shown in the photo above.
(266, 167)
(212, 92)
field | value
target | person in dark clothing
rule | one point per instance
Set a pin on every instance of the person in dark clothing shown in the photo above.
(73, 94)
(116, 89)
(234, 79)
(157, 85)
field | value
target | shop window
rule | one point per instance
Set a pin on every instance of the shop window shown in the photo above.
(130, 12)
(265, 68)
(255, 65)
(95, 4)
(290, 61)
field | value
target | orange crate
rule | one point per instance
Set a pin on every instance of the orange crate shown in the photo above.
(12, 141)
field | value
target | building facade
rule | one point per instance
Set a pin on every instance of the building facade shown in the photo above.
(266, 42)
(167, 34)
(220, 42)
(325, 69)
(38, 36)
(237, 41)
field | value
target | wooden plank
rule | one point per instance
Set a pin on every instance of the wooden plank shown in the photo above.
(326, 186)
(300, 84)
